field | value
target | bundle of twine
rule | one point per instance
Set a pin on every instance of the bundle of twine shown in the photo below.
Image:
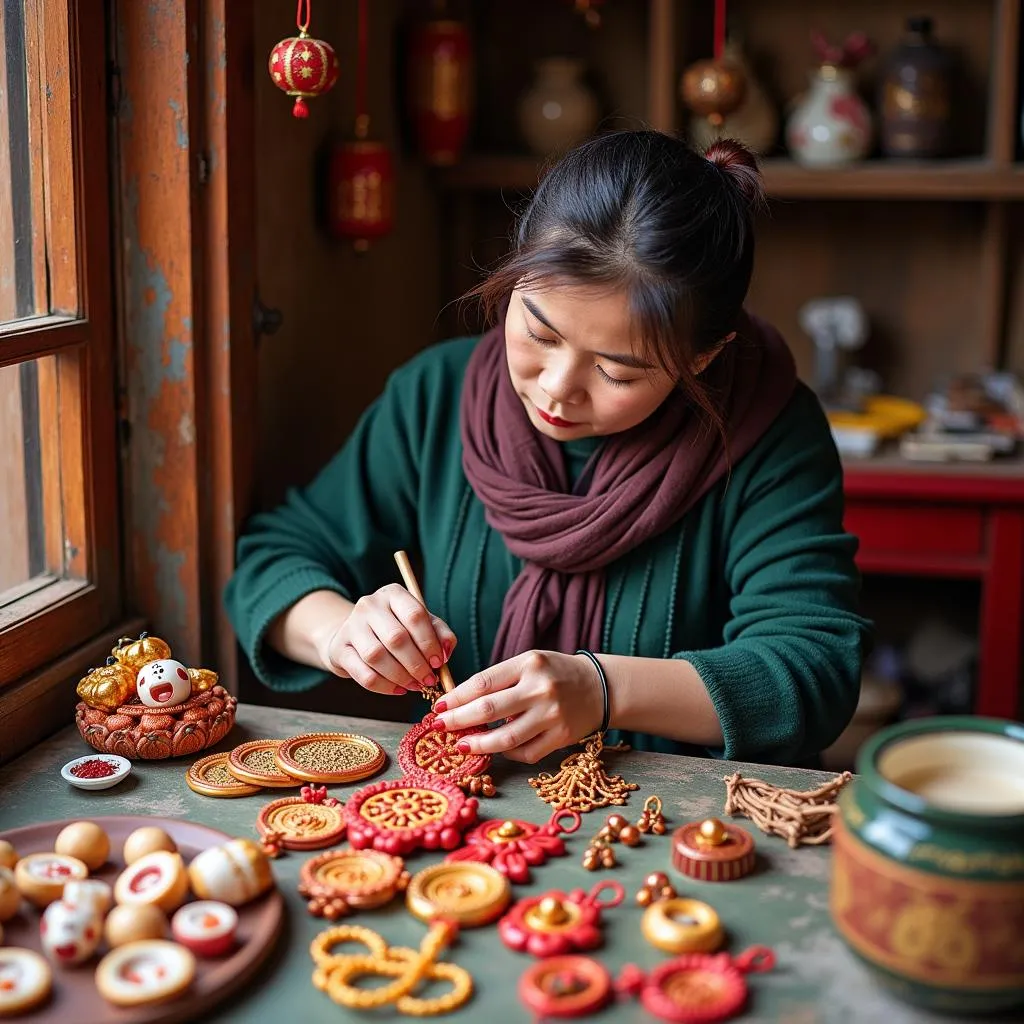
(801, 817)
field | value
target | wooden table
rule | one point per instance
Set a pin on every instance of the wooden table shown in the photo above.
(952, 521)
(784, 904)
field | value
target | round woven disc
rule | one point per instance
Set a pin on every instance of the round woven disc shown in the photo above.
(210, 777)
(424, 749)
(330, 757)
(301, 825)
(467, 892)
(254, 763)
(363, 878)
(694, 986)
(565, 986)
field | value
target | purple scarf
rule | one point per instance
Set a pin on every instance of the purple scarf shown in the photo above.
(643, 482)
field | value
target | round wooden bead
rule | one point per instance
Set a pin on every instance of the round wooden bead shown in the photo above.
(630, 836)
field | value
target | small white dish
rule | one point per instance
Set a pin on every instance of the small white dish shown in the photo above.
(122, 764)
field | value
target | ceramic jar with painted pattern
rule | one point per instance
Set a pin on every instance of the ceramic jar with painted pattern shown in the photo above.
(830, 125)
(927, 882)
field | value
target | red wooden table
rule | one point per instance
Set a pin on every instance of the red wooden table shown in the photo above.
(953, 521)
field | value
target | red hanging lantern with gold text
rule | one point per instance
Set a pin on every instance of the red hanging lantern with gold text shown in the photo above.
(440, 89)
(302, 66)
(361, 177)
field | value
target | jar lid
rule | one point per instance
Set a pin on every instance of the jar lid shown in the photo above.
(712, 850)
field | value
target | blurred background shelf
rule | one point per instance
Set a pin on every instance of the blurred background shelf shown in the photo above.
(969, 179)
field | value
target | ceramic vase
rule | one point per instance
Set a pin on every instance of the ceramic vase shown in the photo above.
(558, 110)
(916, 95)
(755, 122)
(830, 125)
(927, 884)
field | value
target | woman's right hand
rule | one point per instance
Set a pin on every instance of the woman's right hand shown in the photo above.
(388, 643)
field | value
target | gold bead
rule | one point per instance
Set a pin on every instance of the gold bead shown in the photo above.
(616, 822)
(658, 828)
(656, 879)
(644, 896)
(667, 893)
(630, 836)
(644, 823)
(608, 858)
(551, 911)
(712, 832)
(509, 830)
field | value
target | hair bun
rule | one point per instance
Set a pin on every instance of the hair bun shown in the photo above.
(740, 165)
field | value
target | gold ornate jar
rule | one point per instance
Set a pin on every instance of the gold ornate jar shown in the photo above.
(928, 863)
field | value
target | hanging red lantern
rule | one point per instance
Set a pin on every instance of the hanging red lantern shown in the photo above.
(302, 66)
(440, 85)
(361, 177)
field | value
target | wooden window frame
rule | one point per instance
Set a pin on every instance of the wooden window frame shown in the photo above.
(77, 387)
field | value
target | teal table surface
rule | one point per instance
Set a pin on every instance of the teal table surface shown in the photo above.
(784, 904)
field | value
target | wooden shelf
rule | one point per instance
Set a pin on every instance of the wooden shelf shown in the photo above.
(975, 179)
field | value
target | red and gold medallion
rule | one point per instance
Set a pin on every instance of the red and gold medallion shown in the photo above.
(696, 987)
(565, 986)
(425, 749)
(712, 851)
(401, 815)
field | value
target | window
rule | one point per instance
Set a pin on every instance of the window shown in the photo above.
(59, 532)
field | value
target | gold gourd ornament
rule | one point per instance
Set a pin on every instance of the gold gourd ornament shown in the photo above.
(581, 783)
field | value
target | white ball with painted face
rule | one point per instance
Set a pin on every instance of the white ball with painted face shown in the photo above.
(70, 933)
(163, 683)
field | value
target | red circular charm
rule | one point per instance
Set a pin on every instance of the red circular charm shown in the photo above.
(555, 922)
(565, 986)
(512, 846)
(426, 750)
(401, 815)
(698, 988)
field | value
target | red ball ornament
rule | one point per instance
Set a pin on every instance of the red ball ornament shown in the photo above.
(302, 66)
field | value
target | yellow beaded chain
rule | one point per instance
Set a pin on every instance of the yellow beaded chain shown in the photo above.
(408, 967)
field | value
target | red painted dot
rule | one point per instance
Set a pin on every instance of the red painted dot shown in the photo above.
(182, 674)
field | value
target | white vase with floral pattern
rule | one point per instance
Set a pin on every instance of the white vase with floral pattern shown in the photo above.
(830, 124)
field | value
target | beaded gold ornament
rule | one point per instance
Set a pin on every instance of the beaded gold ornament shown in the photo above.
(651, 819)
(310, 821)
(656, 887)
(335, 972)
(581, 783)
(340, 881)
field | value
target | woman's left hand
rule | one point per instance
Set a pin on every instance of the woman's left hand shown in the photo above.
(551, 700)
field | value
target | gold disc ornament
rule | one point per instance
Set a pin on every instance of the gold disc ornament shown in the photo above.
(209, 776)
(307, 822)
(340, 881)
(254, 763)
(469, 893)
(330, 757)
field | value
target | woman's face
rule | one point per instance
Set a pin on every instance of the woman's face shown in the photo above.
(571, 357)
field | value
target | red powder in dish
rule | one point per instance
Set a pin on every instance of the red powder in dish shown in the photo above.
(94, 768)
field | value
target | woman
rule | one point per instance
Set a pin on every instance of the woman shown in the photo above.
(625, 505)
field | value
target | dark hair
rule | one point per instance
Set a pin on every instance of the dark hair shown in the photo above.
(643, 210)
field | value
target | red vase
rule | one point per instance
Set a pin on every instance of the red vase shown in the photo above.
(361, 196)
(440, 89)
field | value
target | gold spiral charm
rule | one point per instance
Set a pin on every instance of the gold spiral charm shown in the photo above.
(469, 893)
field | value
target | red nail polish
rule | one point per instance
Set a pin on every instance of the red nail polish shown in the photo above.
(463, 747)
(440, 707)
(439, 725)
(435, 662)
(429, 680)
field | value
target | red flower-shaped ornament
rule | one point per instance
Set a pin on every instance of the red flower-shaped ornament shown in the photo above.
(556, 923)
(513, 846)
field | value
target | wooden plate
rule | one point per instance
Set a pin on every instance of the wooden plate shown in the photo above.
(330, 757)
(209, 776)
(75, 997)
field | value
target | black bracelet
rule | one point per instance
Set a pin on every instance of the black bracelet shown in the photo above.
(606, 714)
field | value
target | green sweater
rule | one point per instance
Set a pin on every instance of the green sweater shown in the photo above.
(756, 588)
